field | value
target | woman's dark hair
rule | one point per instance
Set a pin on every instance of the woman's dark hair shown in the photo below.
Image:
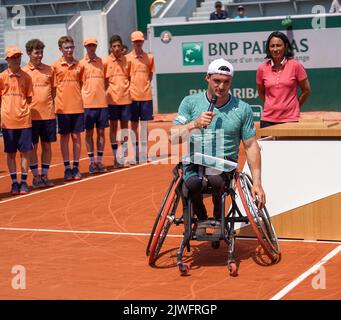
(288, 48)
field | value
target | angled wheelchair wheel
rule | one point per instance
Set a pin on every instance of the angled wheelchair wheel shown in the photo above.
(259, 219)
(164, 219)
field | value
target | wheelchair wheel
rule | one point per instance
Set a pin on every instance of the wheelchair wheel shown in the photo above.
(259, 219)
(164, 220)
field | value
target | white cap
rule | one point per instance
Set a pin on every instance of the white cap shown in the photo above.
(220, 66)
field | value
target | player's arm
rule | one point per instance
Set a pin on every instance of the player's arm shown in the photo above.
(253, 157)
(179, 131)
(305, 91)
(185, 122)
(202, 121)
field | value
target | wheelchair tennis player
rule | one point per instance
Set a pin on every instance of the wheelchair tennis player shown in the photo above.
(231, 115)
(214, 123)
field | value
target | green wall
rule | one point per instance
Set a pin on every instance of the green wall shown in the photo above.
(143, 14)
(172, 88)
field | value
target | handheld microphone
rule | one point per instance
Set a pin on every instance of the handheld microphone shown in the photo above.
(212, 104)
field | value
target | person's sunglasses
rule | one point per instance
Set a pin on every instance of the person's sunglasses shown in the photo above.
(69, 48)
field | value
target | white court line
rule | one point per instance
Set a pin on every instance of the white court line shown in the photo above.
(56, 165)
(294, 240)
(83, 180)
(51, 166)
(306, 274)
(85, 232)
(145, 234)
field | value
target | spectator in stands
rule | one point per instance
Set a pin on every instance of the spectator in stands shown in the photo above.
(241, 13)
(335, 7)
(278, 80)
(219, 13)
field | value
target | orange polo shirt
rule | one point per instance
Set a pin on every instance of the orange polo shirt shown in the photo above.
(14, 91)
(93, 89)
(67, 78)
(42, 106)
(118, 75)
(141, 68)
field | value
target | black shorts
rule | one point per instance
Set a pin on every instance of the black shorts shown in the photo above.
(120, 112)
(46, 130)
(98, 117)
(70, 123)
(142, 110)
(17, 140)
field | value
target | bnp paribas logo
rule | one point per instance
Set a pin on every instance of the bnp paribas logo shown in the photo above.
(193, 53)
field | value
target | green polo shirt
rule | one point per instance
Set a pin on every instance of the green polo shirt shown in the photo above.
(232, 123)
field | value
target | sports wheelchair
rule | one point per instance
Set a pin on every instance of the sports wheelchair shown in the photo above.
(212, 230)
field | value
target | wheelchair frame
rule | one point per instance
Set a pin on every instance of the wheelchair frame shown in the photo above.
(258, 219)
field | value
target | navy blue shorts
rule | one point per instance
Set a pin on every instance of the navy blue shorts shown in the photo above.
(142, 110)
(122, 112)
(46, 130)
(96, 116)
(17, 139)
(70, 123)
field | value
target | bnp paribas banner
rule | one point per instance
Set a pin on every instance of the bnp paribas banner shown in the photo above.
(183, 51)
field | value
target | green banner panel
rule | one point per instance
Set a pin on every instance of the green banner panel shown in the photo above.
(172, 88)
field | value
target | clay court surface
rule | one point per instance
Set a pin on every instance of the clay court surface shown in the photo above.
(87, 240)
